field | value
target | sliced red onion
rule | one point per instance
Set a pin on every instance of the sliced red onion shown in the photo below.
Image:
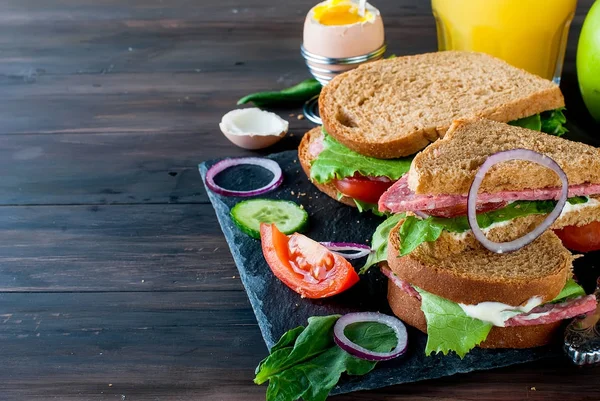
(421, 214)
(268, 164)
(361, 250)
(514, 154)
(360, 352)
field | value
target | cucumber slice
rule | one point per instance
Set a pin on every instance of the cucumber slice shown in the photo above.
(287, 216)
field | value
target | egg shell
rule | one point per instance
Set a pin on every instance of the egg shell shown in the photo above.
(253, 128)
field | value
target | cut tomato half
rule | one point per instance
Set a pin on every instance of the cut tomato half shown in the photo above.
(366, 189)
(304, 265)
(582, 239)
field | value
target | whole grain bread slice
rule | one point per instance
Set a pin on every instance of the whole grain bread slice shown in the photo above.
(396, 107)
(465, 272)
(408, 309)
(305, 157)
(449, 165)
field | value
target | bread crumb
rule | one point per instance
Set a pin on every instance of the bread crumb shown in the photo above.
(300, 117)
(232, 276)
(109, 384)
(533, 389)
(293, 193)
(301, 206)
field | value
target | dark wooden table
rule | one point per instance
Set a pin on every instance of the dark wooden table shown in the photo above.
(115, 280)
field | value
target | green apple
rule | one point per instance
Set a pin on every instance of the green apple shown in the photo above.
(588, 61)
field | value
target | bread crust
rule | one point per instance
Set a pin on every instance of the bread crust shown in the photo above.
(335, 103)
(306, 159)
(446, 167)
(408, 309)
(430, 267)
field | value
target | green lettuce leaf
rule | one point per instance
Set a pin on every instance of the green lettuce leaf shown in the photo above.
(415, 231)
(379, 241)
(448, 326)
(337, 161)
(577, 200)
(570, 290)
(418, 230)
(311, 376)
(533, 122)
(450, 329)
(367, 207)
(553, 122)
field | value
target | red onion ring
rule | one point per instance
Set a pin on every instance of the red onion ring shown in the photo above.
(361, 250)
(421, 214)
(360, 352)
(514, 154)
(222, 165)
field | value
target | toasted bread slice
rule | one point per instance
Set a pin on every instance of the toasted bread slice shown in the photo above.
(408, 309)
(396, 107)
(306, 159)
(449, 165)
(465, 272)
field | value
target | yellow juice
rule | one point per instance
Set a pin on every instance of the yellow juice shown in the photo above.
(530, 34)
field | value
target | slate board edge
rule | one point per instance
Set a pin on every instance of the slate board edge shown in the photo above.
(254, 302)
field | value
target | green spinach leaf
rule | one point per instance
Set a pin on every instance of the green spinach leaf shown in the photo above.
(312, 378)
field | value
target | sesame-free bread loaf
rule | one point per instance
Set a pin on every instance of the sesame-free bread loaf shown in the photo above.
(463, 271)
(396, 107)
(449, 165)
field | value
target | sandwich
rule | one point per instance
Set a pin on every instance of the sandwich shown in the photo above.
(514, 197)
(376, 117)
(479, 298)
(444, 280)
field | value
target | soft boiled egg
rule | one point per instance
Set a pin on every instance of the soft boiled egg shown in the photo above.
(337, 29)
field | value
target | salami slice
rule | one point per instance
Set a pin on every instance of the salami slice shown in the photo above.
(550, 313)
(400, 198)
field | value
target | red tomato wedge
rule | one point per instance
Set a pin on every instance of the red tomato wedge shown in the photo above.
(366, 189)
(461, 209)
(582, 239)
(304, 265)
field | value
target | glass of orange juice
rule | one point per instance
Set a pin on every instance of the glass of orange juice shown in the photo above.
(530, 34)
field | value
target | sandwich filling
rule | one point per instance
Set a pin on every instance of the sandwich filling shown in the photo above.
(457, 327)
(400, 198)
(415, 230)
(359, 177)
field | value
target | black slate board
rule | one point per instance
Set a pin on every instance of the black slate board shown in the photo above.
(279, 309)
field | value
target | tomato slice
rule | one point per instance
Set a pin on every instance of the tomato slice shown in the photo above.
(304, 265)
(582, 239)
(366, 189)
(461, 209)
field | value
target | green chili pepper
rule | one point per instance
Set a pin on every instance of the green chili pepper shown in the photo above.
(295, 95)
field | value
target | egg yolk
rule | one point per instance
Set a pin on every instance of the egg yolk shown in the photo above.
(339, 12)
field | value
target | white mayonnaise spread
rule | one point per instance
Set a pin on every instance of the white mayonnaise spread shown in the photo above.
(498, 313)
(573, 208)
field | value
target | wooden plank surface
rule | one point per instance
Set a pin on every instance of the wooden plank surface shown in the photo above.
(115, 280)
